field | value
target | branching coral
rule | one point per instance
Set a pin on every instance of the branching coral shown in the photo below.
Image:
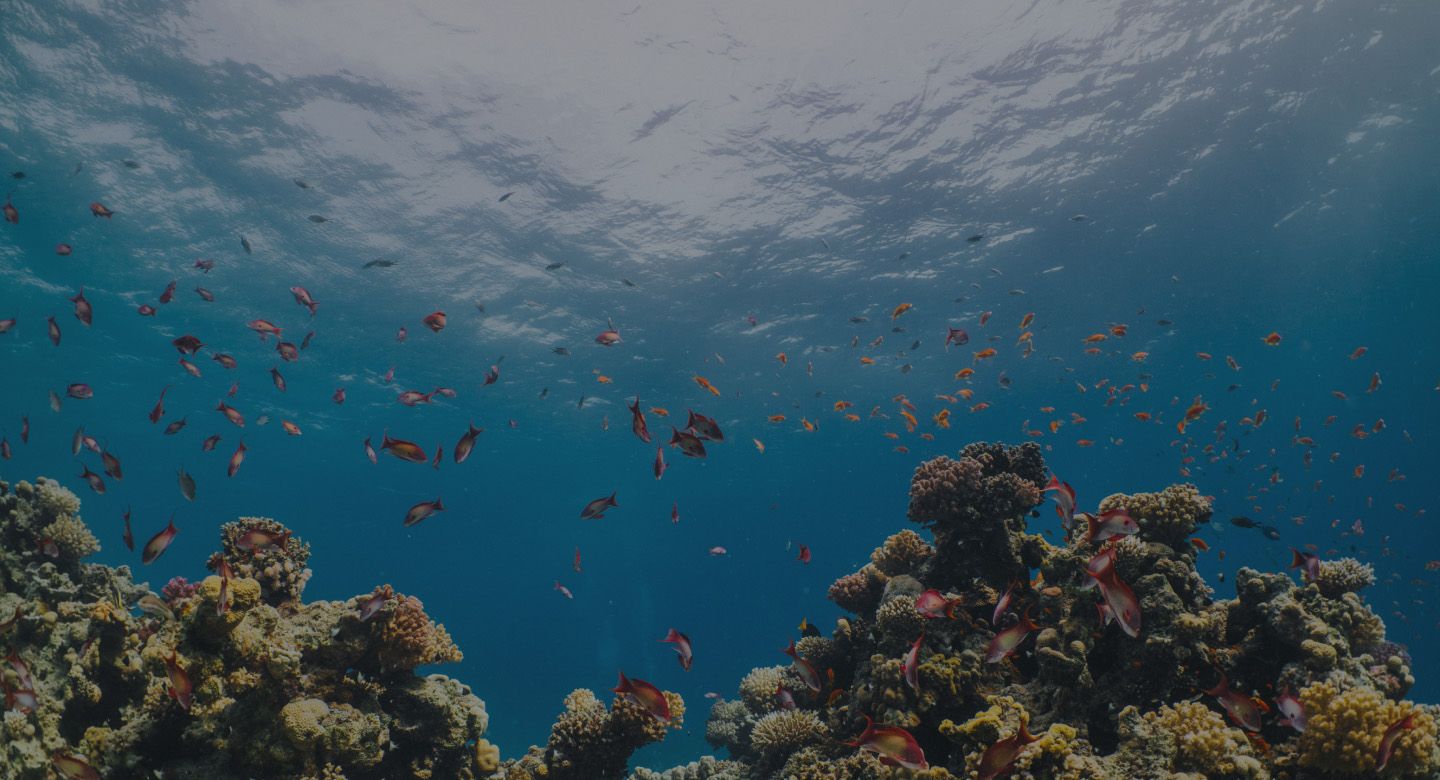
(1186, 737)
(1344, 575)
(1342, 737)
(786, 731)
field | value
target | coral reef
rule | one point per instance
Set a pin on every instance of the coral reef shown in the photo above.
(1008, 631)
(263, 550)
(590, 742)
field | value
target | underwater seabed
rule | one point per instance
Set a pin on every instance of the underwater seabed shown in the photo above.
(1115, 661)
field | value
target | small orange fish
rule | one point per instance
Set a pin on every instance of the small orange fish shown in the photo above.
(980, 407)
(1142, 416)
(1359, 471)
(899, 310)
(784, 361)
(1339, 396)
(928, 436)
(852, 417)
(776, 418)
(659, 411)
(1230, 361)
(891, 435)
(966, 393)
(602, 379)
(1055, 425)
(1139, 357)
(759, 445)
(1273, 339)
(964, 373)
(902, 449)
(985, 317)
(1119, 331)
(910, 421)
(942, 418)
(1200, 544)
(983, 354)
(865, 361)
(1358, 353)
(1047, 410)
(809, 426)
(1026, 320)
(1085, 442)
(1093, 351)
(1094, 338)
(1203, 355)
(705, 383)
(841, 406)
(1374, 382)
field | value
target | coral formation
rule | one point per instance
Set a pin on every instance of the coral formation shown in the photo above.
(277, 562)
(590, 742)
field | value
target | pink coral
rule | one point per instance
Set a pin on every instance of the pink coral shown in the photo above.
(177, 589)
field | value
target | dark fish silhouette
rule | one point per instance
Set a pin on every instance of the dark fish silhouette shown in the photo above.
(131, 164)
(561, 351)
(627, 282)
(1271, 532)
(379, 264)
(975, 239)
(302, 184)
(554, 266)
(1243, 522)
(317, 219)
(17, 175)
(245, 244)
(506, 196)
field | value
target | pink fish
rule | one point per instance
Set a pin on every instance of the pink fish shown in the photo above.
(236, 460)
(339, 396)
(414, 398)
(205, 295)
(290, 427)
(422, 510)
(231, 413)
(806, 670)
(254, 539)
(225, 361)
(12, 215)
(1309, 563)
(24, 429)
(225, 599)
(129, 537)
(288, 352)
(895, 746)
(1003, 644)
(205, 266)
(404, 450)
(79, 390)
(175, 426)
(999, 757)
(53, 329)
(608, 338)
(264, 328)
(158, 543)
(83, 310)
(435, 321)
(910, 664)
(1293, 709)
(637, 422)
(595, 510)
(98, 209)
(5, 448)
(956, 336)
(704, 427)
(564, 591)
(72, 767)
(804, 555)
(112, 465)
(682, 648)
(370, 452)
(96, 483)
(717, 550)
(146, 310)
(675, 512)
(1110, 524)
(1124, 607)
(168, 293)
(6, 325)
(305, 342)
(1064, 500)
(209, 443)
(439, 454)
(1002, 604)
(1387, 742)
(467, 443)
(303, 297)
(371, 606)
(400, 335)
(647, 696)
(932, 605)
(390, 375)
(1241, 708)
(190, 368)
(688, 443)
(784, 699)
(180, 688)
(277, 379)
(659, 467)
(493, 374)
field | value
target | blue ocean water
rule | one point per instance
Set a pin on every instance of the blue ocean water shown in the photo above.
(724, 184)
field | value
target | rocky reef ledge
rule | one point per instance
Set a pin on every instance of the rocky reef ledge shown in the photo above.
(975, 650)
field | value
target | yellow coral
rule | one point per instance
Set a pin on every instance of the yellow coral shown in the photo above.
(1203, 743)
(1058, 754)
(1345, 728)
(902, 553)
(487, 756)
(410, 639)
(1168, 516)
(786, 731)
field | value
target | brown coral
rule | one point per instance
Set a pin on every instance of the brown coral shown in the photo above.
(409, 638)
(280, 569)
(902, 553)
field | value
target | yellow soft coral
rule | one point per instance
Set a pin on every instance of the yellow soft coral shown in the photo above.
(1203, 742)
(1058, 754)
(1345, 728)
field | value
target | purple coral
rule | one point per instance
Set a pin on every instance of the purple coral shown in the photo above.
(178, 589)
(987, 484)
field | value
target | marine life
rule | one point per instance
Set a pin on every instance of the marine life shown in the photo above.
(681, 642)
(158, 543)
(895, 746)
(596, 508)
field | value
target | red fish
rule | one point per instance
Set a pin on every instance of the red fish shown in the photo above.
(169, 292)
(1064, 500)
(608, 338)
(190, 368)
(1002, 604)
(404, 450)
(236, 460)
(25, 433)
(205, 266)
(595, 510)
(467, 443)
(6, 325)
(277, 379)
(205, 295)
(439, 454)
(54, 330)
(804, 668)
(910, 664)
(1008, 640)
(1387, 742)
(704, 427)
(371, 606)
(175, 426)
(223, 601)
(339, 396)
(225, 361)
(647, 696)
(576, 563)
(305, 342)
(231, 413)
(260, 539)
(80, 391)
(287, 351)
(689, 443)
(999, 757)
(159, 410)
(637, 422)
(564, 591)
(932, 605)
(97, 209)
(659, 467)
(158, 543)
(804, 556)
(1293, 709)
(12, 215)
(675, 512)
(956, 336)
(83, 311)
(112, 465)
(209, 443)
(1241, 708)
(435, 321)
(187, 344)
(5, 448)
(370, 452)
(682, 648)
(895, 746)
(302, 297)
(422, 510)
(414, 398)
(180, 688)
(290, 427)
(146, 310)
(492, 375)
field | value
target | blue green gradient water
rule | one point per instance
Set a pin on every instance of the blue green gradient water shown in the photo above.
(1241, 170)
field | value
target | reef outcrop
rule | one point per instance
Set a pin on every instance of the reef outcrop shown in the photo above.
(1101, 654)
